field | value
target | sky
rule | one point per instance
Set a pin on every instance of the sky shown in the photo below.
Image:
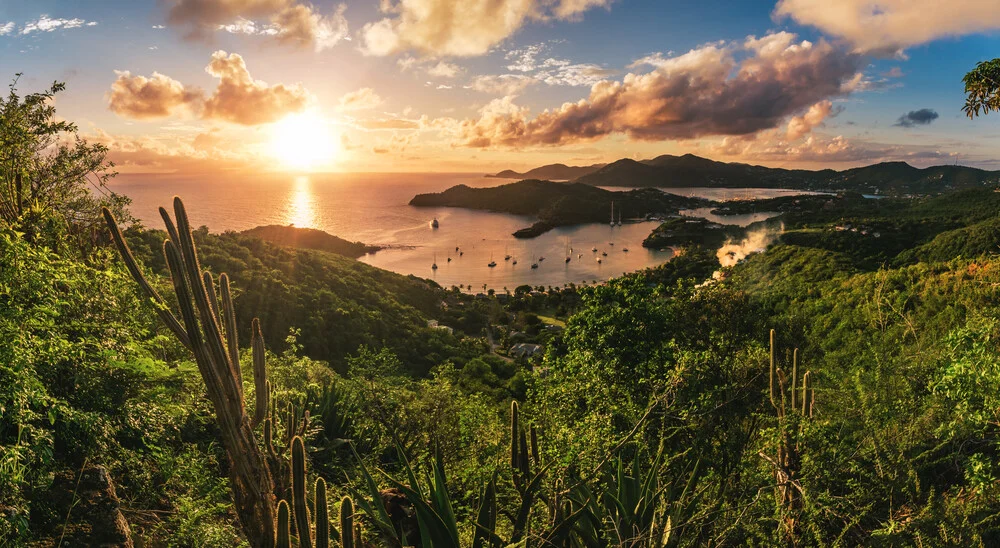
(204, 86)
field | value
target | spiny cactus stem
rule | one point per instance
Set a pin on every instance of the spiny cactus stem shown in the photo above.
(347, 538)
(805, 390)
(162, 310)
(299, 504)
(232, 337)
(283, 532)
(514, 428)
(322, 515)
(772, 387)
(261, 386)
(795, 373)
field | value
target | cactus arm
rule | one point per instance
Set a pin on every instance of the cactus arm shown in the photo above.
(772, 391)
(209, 322)
(795, 373)
(299, 505)
(261, 386)
(347, 538)
(283, 533)
(169, 223)
(232, 337)
(322, 515)
(514, 448)
(132, 265)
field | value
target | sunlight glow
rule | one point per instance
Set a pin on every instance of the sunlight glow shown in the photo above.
(300, 205)
(303, 142)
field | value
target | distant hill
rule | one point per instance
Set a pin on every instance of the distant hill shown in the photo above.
(309, 238)
(558, 204)
(669, 171)
(557, 172)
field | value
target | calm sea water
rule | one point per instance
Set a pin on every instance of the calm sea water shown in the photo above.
(372, 208)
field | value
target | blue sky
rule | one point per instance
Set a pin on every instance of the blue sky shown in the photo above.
(427, 85)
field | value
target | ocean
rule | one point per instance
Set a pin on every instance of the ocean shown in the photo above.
(372, 208)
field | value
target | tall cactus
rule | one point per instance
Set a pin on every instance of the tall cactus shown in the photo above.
(316, 530)
(792, 404)
(209, 331)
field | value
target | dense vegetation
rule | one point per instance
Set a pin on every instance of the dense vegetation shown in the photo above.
(663, 412)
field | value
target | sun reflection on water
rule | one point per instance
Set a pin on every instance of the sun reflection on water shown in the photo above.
(300, 206)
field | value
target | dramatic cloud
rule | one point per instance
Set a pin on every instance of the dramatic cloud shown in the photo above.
(920, 117)
(45, 24)
(242, 100)
(460, 27)
(703, 92)
(287, 20)
(802, 125)
(141, 98)
(887, 26)
(238, 98)
(362, 99)
(502, 84)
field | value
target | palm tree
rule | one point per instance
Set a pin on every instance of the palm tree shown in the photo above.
(982, 88)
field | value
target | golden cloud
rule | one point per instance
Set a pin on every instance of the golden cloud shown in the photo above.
(460, 27)
(890, 25)
(242, 100)
(237, 98)
(703, 92)
(158, 96)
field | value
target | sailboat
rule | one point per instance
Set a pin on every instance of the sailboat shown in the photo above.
(612, 223)
(619, 216)
(514, 261)
(534, 263)
(506, 256)
(492, 263)
(434, 266)
(568, 251)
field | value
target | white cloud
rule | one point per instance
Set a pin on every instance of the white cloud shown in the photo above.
(47, 24)
(889, 26)
(6, 28)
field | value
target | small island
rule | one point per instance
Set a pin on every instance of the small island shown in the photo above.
(310, 238)
(690, 231)
(560, 204)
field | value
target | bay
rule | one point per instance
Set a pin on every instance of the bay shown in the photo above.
(373, 208)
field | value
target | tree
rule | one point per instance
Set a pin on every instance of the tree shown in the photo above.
(46, 166)
(982, 88)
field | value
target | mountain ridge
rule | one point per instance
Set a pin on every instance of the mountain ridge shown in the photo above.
(690, 170)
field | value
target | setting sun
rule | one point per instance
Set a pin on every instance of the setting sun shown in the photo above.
(303, 141)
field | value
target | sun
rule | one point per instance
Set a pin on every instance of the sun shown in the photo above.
(303, 142)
